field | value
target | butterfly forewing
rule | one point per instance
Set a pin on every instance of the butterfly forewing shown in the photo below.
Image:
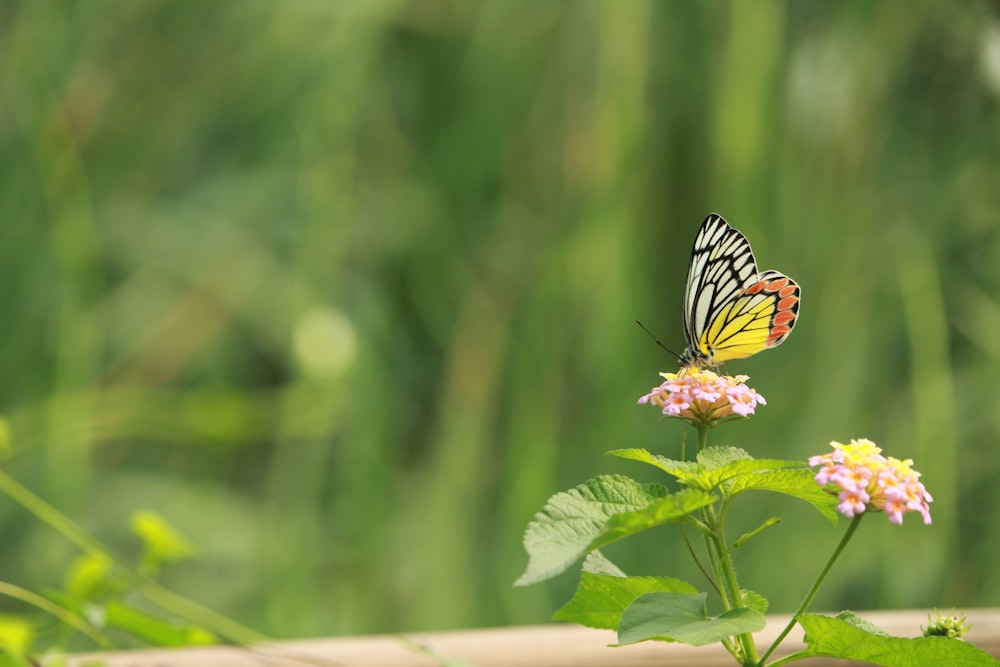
(722, 266)
(731, 310)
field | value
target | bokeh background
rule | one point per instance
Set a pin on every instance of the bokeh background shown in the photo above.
(346, 290)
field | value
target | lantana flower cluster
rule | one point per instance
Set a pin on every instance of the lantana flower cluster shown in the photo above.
(702, 397)
(868, 480)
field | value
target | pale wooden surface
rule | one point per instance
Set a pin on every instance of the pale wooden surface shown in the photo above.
(530, 646)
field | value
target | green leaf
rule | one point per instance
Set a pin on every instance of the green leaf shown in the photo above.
(667, 510)
(714, 465)
(668, 466)
(797, 483)
(600, 599)
(594, 514)
(755, 601)
(862, 623)
(714, 478)
(597, 563)
(682, 618)
(841, 638)
(719, 464)
(712, 458)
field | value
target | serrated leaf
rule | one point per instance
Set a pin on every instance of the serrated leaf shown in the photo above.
(797, 483)
(682, 618)
(719, 456)
(861, 623)
(838, 638)
(600, 599)
(565, 528)
(598, 563)
(715, 472)
(755, 601)
(667, 510)
(714, 465)
(669, 466)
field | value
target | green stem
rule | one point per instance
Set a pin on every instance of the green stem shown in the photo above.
(702, 436)
(717, 579)
(725, 571)
(792, 657)
(732, 586)
(165, 599)
(815, 587)
(64, 615)
(708, 518)
(697, 561)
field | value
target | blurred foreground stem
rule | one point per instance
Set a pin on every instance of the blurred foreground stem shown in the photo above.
(160, 596)
(51, 608)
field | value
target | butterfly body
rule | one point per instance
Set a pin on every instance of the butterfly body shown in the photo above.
(732, 310)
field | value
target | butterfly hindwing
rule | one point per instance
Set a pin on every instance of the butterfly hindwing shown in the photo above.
(731, 310)
(761, 317)
(785, 293)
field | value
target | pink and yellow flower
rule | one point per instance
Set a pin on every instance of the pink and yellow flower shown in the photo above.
(703, 397)
(868, 480)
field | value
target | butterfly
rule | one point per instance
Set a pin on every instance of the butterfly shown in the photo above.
(731, 310)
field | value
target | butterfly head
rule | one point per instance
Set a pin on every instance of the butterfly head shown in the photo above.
(694, 358)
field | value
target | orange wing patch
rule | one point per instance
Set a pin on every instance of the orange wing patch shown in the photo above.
(786, 293)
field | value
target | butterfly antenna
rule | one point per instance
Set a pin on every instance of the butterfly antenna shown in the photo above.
(657, 340)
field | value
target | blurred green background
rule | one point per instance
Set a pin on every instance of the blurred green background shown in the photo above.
(346, 290)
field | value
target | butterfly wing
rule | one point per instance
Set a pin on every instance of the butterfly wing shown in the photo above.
(722, 266)
(762, 316)
(730, 310)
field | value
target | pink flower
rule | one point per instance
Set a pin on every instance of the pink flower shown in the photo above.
(868, 480)
(702, 397)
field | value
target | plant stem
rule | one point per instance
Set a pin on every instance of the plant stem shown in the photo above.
(725, 572)
(64, 615)
(708, 518)
(702, 436)
(697, 561)
(708, 521)
(855, 522)
(733, 597)
(165, 599)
